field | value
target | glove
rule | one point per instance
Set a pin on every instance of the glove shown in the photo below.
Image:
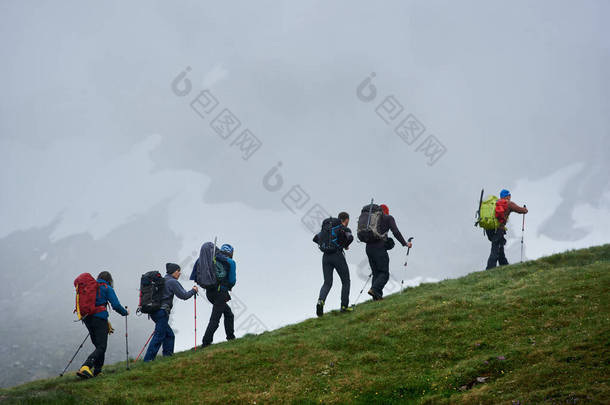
(110, 328)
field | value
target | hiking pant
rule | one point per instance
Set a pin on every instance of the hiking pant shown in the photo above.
(330, 262)
(380, 266)
(164, 335)
(496, 237)
(98, 330)
(219, 300)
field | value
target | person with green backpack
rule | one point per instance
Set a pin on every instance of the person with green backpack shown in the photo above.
(493, 216)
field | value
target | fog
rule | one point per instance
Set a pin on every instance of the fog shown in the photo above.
(132, 133)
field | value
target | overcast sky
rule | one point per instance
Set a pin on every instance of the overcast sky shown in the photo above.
(132, 133)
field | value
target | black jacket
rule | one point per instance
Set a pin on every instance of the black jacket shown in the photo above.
(345, 242)
(388, 223)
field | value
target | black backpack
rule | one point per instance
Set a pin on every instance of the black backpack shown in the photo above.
(152, 285)
(332, 236)
(369, 224)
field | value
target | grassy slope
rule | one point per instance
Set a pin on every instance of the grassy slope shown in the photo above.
(549, 319)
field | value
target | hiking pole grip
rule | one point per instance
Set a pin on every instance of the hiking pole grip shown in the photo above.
(408, 248)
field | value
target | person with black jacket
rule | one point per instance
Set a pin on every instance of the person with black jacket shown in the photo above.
(334, 259)
(377, 252)
(219, 295)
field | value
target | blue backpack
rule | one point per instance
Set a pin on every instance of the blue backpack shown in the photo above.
(225, 271)
(332, 236)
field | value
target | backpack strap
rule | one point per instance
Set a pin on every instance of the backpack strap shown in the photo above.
(104, 306)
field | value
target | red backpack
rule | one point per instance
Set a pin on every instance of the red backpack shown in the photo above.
(86, 292)
(501, 210)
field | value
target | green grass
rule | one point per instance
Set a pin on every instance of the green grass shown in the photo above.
(538, 332)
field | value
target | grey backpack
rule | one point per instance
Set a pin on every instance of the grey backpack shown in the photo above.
(204, 272)
(369, 224)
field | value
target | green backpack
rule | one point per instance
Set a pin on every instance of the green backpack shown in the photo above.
(221, 271)
(487, 214)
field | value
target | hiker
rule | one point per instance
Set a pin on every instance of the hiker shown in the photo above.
(164, 335)
(504, 206)
(377, 252)
(334, 237)
(99, 327)
(218, 293)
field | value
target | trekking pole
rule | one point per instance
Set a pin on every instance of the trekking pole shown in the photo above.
(478, 213)
(522, 232)
(363, 287)
(402, 282)
(77, 350)
(146, 344)
(126, 343)
(195, 301)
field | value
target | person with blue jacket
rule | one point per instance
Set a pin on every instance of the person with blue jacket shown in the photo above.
(99, 327)
(164, 335)
(218, 295)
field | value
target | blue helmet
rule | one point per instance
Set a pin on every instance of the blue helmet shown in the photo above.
(504, 193)
(226, 248)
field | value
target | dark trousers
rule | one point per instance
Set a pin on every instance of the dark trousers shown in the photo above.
(163, 336)
(497, 239)
(219, 300)
(98, 330)
(330, 262)
(380, 266)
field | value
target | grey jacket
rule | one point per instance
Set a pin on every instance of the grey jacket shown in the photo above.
(173, 287)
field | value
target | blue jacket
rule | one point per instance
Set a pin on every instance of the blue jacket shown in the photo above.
(106, 295)
(173, 287)
(229, 281)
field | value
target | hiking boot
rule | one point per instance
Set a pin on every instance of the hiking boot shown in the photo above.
(97, 373)
(347, 309)
(320, 308)
(376, 297)
(84, 372)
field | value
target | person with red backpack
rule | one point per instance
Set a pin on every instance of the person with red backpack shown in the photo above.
(377, 252)
(97, 324)
(504, 206)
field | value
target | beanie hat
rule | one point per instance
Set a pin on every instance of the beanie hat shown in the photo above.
(385, 209)
(171, 268)
(504, 193)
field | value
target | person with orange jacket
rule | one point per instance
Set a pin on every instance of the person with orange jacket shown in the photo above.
(504, 206)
